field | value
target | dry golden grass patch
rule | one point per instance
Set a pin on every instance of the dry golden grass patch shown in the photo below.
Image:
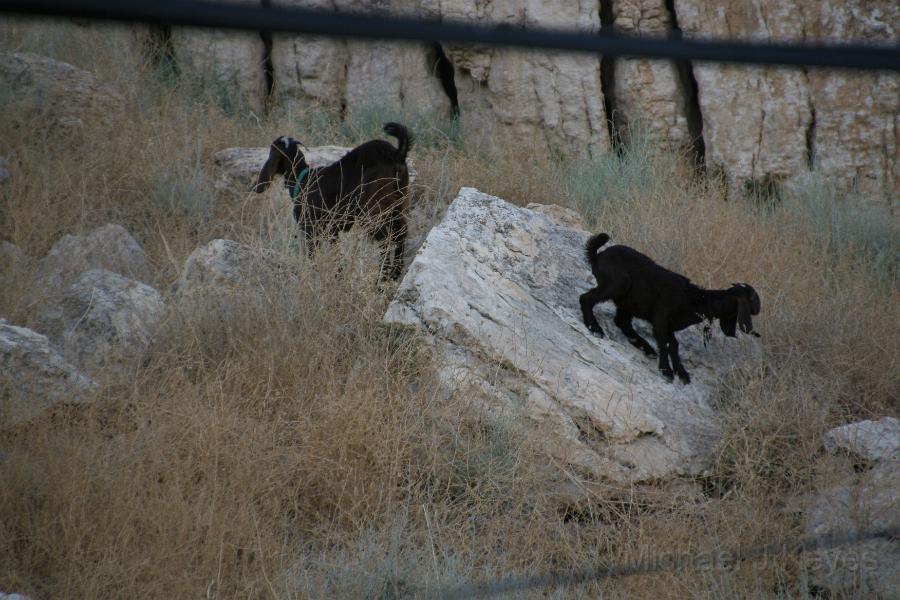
(288, 444)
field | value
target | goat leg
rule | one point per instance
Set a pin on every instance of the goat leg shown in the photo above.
(661, 333)
(676, 360)
(623, 321)
(588, 300)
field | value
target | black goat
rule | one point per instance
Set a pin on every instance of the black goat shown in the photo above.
(369, 184)
(670, 302)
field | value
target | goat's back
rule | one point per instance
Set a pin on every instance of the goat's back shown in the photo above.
(643, 283)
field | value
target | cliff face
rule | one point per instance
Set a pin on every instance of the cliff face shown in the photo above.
(757, 125)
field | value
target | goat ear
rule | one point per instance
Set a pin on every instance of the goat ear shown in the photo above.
(728, 324)
(269, 169)
(743, 315)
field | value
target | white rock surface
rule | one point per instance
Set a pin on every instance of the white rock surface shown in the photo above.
(102, 322)
(109, 247)
(239, 167)
(497, 286)
(870, 440)
(66, 95)
(34, 376)
(870, 503)
(230, 61)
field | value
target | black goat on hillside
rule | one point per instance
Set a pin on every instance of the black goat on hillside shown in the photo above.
(670, 302)
(369, 184)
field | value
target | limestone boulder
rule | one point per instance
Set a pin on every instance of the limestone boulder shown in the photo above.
(495, 287)
(866, 502)
(103, 322)
(65, 95)
(239, 167)
(230, 64)
(34, 376)
(109, 247)
(648, 94)
(225, 268)
(869, 440)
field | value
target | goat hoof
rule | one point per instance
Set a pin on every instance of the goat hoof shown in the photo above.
(668, 374)
(595, 328)
(685, 378)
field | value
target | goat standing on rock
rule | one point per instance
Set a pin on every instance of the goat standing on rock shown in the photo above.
(670, 302)
(368, 184)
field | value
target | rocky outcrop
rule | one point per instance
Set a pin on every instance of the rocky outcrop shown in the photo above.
(496, 288)
(755, 119)
(239, 167)
(65, 95)
(227, 62)
(553, 99)
(5, 170)
(103, 322)
(648, 94)
(109, 247)
(855, 137)
(34, 376)
(355, 77)
(869, 440)
(770, 124)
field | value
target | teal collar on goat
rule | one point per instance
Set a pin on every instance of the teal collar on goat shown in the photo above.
(296, 191)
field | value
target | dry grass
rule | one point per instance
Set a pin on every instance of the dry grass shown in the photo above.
(300, 448)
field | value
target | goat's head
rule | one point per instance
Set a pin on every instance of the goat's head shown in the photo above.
(746, 304)
(285, 159)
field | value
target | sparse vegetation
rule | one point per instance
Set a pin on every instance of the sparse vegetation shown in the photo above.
(302, 449)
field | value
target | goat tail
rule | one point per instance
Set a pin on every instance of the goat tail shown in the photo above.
(404, 138)
(593, 246)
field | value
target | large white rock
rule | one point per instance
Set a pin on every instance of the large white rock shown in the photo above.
(65, 94)
(239, 167)
(109, 247)
(870, 440)
(103, 321)
(34, 376)
(222, 268)
(496, 286)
